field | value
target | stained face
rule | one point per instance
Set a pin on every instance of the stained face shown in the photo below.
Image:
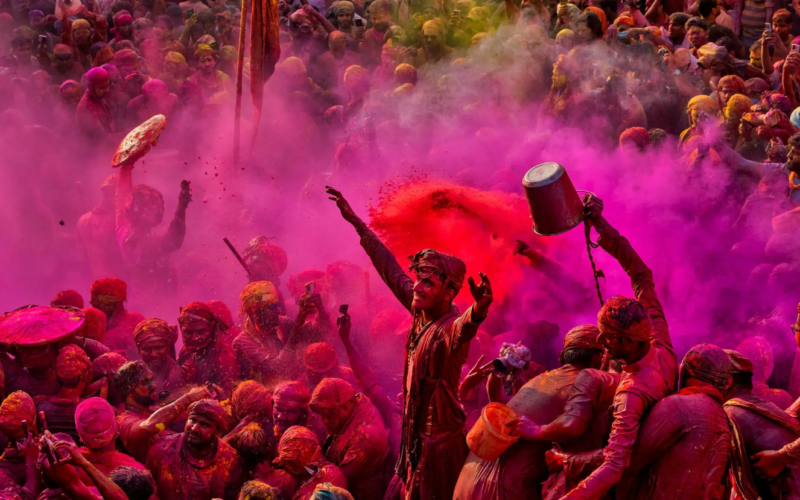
(429, 291)
(697, 36)
(285, 416)
(196, 334)
(617, 347)
(781, 27)
(101, 89)
(330, 416)
(206, 64)
(107, 305)
(726, 91)
(125, 29)
(145, 393)
(676, 31)
(154, 352)
(200, 431)
(345, 20)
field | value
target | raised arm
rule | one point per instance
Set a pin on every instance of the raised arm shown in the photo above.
(173, 239)
(108, 489)
(124, 189)
(384, 261)
(367, 380)
(165, 416)
(641, 276)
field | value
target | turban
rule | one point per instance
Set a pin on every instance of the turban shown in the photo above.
(795, 117)
(516, 355)
(292, 66)
(292, 395)
(155, 88)
(108, 289)
(81, 23)
(739, 364)
(320, 358)
(108, 364)
(565, 35)
(737, 106)
(94, 77)
(67, 298)
(17, 406)
(95, 325)
(198, 311)
(702, 104)
(344, 7)
(70, 90)
(262, 251)
(212, 410)
(154, 329)
(600, 15)
(583, 337)
(61, 50)
(327, 491)
(104, 55)
(221, 312)
(96, 422)
(331, 393)
(356, 76)
(123, 17)
(257, 294)
(251, 398)
(776, 100)
(708, 363)
(429, 261)
(625, 20)
(432, 27)
(637, 135)
(298, 445)
(227, 53)
(297, 281)
(624, 317)
(129, 376)
(126, 57)
(72, 362)
(759, 352)
(405, 73)
(175, 57)
(256, 490)
(732, 80)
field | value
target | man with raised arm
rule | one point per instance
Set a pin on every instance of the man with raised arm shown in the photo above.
(433, 446)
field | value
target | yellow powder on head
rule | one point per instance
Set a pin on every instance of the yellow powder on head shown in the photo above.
(160, 427)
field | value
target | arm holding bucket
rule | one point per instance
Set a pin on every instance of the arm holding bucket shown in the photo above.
(641, 276)
(384, 261)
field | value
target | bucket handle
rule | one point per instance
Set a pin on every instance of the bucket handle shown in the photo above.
(589, 245)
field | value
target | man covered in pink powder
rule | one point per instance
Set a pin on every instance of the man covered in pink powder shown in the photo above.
(109, 295)
(433, 448)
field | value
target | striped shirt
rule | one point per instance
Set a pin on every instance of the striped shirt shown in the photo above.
(754, 16)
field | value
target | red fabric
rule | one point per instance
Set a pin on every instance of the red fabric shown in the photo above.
(119, 333)
(96, 422)
(320, 358)
(72, 362)
(114, 287)
(95, 325)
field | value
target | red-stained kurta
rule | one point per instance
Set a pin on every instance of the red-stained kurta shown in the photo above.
(180, 477)
(642, 384)
(119, 333)
(682, 450)
(137, 443)
(106, 461)
(360, 450)
(434, 444)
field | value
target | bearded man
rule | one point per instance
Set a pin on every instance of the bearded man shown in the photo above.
(433, 449)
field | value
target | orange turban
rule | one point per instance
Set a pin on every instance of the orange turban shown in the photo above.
(110, 289)
(72, 362)
(298, 446)
(257, 294)
(624, 317)
(320, 358)
(251, 398)
(18, 406)
(330, 394)
(600, 15)
(291, 394)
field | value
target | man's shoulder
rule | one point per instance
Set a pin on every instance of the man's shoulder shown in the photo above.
(169, 444)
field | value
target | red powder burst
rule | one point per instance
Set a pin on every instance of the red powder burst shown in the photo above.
(480, 227)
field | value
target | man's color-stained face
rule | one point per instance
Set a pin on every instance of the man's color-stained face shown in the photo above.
(154, 352)
(145, 393)
(206, 64)
(697, 36)
(286, 416)
(200, 431)
(430, 290)
(196, 334)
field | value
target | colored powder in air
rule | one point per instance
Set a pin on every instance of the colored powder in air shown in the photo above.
(480, 227)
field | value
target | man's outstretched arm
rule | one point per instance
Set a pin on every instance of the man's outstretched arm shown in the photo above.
(384, 261)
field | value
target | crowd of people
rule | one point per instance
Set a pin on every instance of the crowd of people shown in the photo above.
(318, 387)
